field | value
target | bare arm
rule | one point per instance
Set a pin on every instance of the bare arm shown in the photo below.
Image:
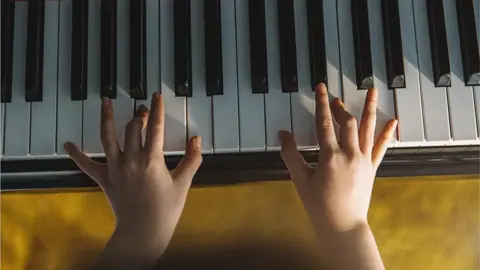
(336, 193)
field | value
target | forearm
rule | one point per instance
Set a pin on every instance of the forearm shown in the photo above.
(133, 248)
(352, 249)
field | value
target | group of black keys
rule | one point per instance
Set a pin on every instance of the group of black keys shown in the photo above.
(213, 47)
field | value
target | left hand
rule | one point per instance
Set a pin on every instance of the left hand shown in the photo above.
(146, 197)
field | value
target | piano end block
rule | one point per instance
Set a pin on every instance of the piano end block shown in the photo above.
(183, 90)
(473, 79)
(397, 82)
(444, 80)
(366, 83)
(138, 92)
(260, 86)
(79, 93)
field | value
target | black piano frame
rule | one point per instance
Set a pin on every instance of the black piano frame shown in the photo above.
(225, 169)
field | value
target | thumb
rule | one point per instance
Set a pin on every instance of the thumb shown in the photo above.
(381, 145)
(95, 170)
(190, 163)
(297, 167)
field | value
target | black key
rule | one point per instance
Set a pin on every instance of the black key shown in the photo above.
(362, 48)
(438, 43)
(78, 81)
(138, 50)
(8, 16)
(34, 53)
(393, 44)
(108, 49)
(468, 42)
(213, 47)
(316, 41)
(288, 48)
(183, 44)
(258, 46)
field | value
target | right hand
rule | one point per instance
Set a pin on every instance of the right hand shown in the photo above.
(336, 193)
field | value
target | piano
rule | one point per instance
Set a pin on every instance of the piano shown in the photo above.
(236, 72)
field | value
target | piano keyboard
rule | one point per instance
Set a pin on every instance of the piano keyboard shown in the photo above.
(235, 71)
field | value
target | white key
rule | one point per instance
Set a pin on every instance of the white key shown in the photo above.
(386, 104)
(303, 102)
(460, 97)
(476, 89)
(199, 105)
(408, 102)
(92, 144)
(43, 117)
(17, 113)
(69, 116)
(251, 106)
(175, 107)
(476, 95)
(352, 98)
(225, 107)
(153, 50)
(277, 104)
(434, 100)
(123, 105)
(334, 76)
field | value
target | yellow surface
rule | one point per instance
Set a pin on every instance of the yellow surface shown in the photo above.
(419, 223)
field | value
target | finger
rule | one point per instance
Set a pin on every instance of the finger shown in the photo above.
(366, 132)
(296, 165)
(381, 145)
(133, 131)
(190, 163)
(93, 169)
(108, 131)
(348, 126)
(323, 118)
(155, 126)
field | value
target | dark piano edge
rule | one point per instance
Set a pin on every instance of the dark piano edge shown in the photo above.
(227, 169)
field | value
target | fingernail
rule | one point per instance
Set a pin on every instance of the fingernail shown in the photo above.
(339, 102)
(142, 109)
(155, 95)
(68, 147)
(321, 88)
(372, 92)
(282, 135)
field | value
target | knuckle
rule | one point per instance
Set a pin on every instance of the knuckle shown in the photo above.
(372, 106)
(135, 122)
(196, 157)
(350, 121)
(325, 122)
(153, 159)
(105, 134)
(329, 154)
(354, 157)
(199, 159)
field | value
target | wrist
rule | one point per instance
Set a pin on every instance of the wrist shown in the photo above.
(148, 234)
(129, 248)
(329, 226)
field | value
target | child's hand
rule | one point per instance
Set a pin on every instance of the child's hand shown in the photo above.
(146, 198)
(336, 194)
